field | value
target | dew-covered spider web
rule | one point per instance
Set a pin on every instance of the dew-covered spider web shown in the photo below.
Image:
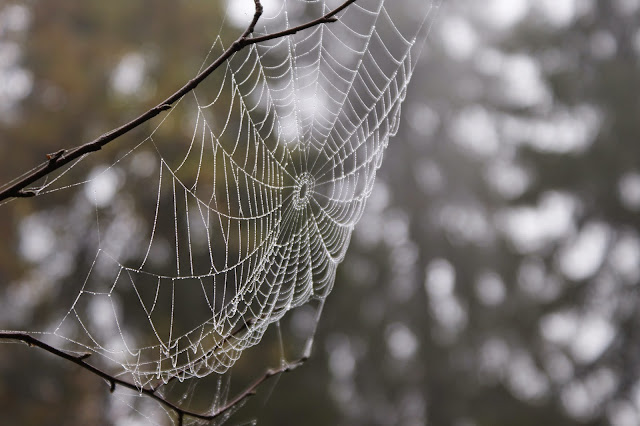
(247, 214)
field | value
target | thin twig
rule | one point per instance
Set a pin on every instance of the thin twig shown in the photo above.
(150, 392)
(65, 156)
(60, 158)
(325, 19)
(80, 360)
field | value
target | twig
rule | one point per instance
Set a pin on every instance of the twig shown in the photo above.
(80, 360)
(251, 389)
(150, 392)
(62, 157)
(325, 19)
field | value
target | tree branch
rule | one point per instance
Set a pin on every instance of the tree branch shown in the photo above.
(150, 392)
(325, 19)
(65, 156)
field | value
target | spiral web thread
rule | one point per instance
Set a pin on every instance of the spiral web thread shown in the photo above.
(261, 201)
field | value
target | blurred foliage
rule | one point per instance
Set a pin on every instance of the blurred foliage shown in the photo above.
(462, 301)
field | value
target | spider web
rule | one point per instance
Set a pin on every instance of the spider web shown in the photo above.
(253, 211)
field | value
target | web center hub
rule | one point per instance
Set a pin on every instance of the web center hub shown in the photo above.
(303, 191)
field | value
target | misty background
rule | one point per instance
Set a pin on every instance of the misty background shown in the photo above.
(493, 279)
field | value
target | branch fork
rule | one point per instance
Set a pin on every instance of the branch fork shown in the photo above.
(62, 157)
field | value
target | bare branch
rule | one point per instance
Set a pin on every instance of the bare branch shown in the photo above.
(62, 157)
(150, 392)
(326, 19)
(251, 390)
(254, 21)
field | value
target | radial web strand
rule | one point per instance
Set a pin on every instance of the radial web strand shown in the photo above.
(248, 214)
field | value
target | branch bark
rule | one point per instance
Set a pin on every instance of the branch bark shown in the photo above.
(152, 393)
(65, 156)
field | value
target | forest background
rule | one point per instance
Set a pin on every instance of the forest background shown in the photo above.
(493, 279)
